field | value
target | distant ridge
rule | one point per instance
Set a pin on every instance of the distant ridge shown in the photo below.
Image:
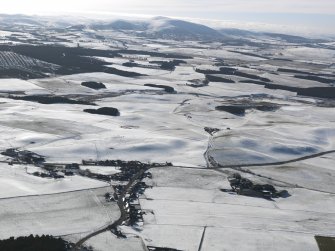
(158, 27)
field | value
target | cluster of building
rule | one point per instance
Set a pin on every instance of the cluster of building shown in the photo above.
(23, 156)
(130, 201)
(244, 186)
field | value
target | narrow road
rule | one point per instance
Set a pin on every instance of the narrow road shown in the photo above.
(123, 217)
(277, 163)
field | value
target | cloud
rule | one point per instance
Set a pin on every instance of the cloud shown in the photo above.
(272, 6)
(179, 6)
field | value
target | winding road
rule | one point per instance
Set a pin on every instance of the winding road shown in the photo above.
(122, 206)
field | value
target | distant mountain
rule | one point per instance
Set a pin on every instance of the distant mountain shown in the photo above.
(294, 39)
(19, 19)
(162, 27)
(123, 25)
(78, 27)
(268, 35)
(43, 22)
(238, 32)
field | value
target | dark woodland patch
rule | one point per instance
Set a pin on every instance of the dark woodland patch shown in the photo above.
(166, 88)
(109, 111)
(93, 85)
(50, 100)
(37, 243)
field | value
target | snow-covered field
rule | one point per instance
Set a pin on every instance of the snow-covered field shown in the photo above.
(186, 208)
(231, 222)
(15, 182)
(59, 214)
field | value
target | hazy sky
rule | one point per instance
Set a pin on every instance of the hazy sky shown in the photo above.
(312, 14)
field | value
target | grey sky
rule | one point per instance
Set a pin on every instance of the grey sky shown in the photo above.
(315, 15)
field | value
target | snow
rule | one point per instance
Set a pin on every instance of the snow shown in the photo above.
(12, 85)
(316, 174)
(85, 134)
(105, 170)
(287, 139)
(57, 214)
(231, 221)
(14, 181)
(185, 201)
(189, 213)
(178, 237)
(153, 45)
(5, 33)
(142, 70)
(315, 55)
(118, 61)
(108, 241)
(254, 240)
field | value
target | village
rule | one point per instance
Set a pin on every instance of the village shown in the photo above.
(128, 173)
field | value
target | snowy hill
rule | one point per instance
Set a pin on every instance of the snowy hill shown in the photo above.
(238, 33)
(162, 27)
(178, 29)
(121, 25)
